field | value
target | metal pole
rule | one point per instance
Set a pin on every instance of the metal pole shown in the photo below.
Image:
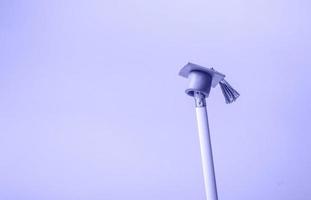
(201, 81)
(206, 147)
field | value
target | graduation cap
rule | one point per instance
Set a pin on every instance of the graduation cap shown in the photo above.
(202, 79)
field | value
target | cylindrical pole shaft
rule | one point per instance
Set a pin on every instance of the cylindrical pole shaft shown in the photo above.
(206, 147)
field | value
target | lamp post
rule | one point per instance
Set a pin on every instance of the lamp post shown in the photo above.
(201, 81)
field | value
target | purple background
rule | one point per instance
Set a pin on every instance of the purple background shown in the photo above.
(91, 106)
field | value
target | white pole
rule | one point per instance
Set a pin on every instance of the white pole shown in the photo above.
(206, 147)
(201, 81)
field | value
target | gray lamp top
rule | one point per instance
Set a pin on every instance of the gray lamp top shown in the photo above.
(202, 79)
(188, 68)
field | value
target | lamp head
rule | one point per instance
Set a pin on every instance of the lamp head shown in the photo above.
(203, 79)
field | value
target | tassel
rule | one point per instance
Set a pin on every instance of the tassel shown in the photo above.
(229, 93)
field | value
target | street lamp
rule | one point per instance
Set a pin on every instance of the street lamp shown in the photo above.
(201, 81)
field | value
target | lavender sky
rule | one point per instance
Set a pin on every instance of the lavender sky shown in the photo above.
(92, 108)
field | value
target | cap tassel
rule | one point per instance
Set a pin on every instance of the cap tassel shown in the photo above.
(229, 93)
